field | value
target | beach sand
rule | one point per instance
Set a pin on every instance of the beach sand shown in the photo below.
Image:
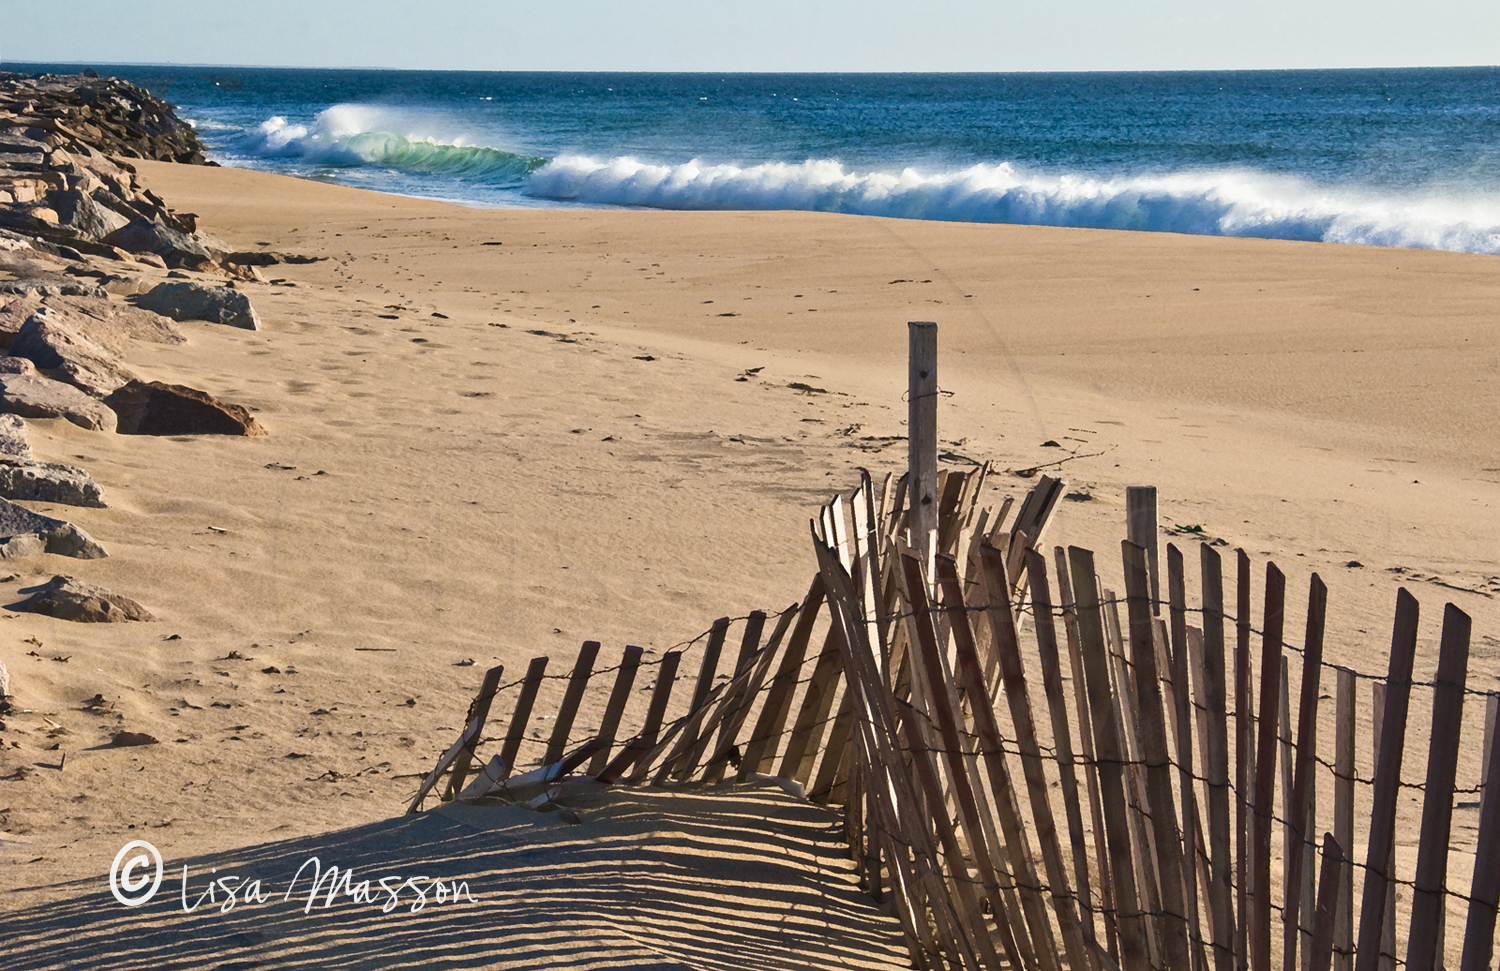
(494, 434)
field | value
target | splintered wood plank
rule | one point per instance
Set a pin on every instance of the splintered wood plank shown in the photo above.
(1429, 897)
(1062, 738)
(1090, 764)
(462, 751)
(522, 713)
(1110, 759)
(760, 748)
(615, 708)
(1172, 882)
(1387, 783)
(1216, 767)
(1321, 955)
(709, 666)
(1265, 766)
(583, 669)
(1484, 894)
(1343, 818)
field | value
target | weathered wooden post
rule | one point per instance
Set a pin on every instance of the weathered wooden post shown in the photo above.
(921, 431)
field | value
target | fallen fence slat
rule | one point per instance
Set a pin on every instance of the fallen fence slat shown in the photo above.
(467, 739)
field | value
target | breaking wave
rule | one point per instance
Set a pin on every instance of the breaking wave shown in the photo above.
(356, 136)
(1219, 203)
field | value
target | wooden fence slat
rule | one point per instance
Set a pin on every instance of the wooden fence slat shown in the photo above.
(461, 752)
(760, 750)
(666, 677)
(1140, 529)
(1289, 848)
(1182, 699)
(921, 431)
(982, 847)
(1172, 882)
(1388, 930)
(615, 708)
(724, 749)
(522, 713)
(1429, 904)
(1484, 894)
(1062, 738)
(1090, 764)
(817, 702)
(703, 722)
(755, 625)
(1109, 761)
(562, 725)
(1300, 819)
(876, 721)
(1013, 675)
(832, 767)
(1032, 941)
(709, 666)
(1127, 727)
(1244, 757)
(1387, 783)
(1265, 767)
(1216, 767)
(1320, 957)
(1343, 819)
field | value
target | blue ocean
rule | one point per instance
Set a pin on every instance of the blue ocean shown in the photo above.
(1398, 157)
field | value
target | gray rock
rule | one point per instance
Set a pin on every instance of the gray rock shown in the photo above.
(68, 599)
(194, 301)
(48, 482)
(20, 547)
(13, 443)
(86, 357)
(78, 210)
(150, 236)
(43, 288)
(4, 682)
(56, 535)
(33, 396)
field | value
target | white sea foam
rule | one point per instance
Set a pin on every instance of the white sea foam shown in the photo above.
(1222, 203)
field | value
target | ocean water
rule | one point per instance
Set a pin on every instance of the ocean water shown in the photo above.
(1397, 157)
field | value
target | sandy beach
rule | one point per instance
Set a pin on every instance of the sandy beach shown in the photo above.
(494, 434)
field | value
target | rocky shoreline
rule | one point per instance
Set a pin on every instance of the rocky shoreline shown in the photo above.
(92, 261)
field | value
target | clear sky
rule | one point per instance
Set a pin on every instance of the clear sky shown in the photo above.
(758, 35)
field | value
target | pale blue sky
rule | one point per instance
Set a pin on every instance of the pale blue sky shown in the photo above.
(758, 35)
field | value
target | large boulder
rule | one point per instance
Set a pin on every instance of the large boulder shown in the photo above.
(26, 533)
(80, 353)
(68, 599)
(157, 408)
(35, 481)
(178, 249)
(33, 396)
(78, 210)
(185, 300)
